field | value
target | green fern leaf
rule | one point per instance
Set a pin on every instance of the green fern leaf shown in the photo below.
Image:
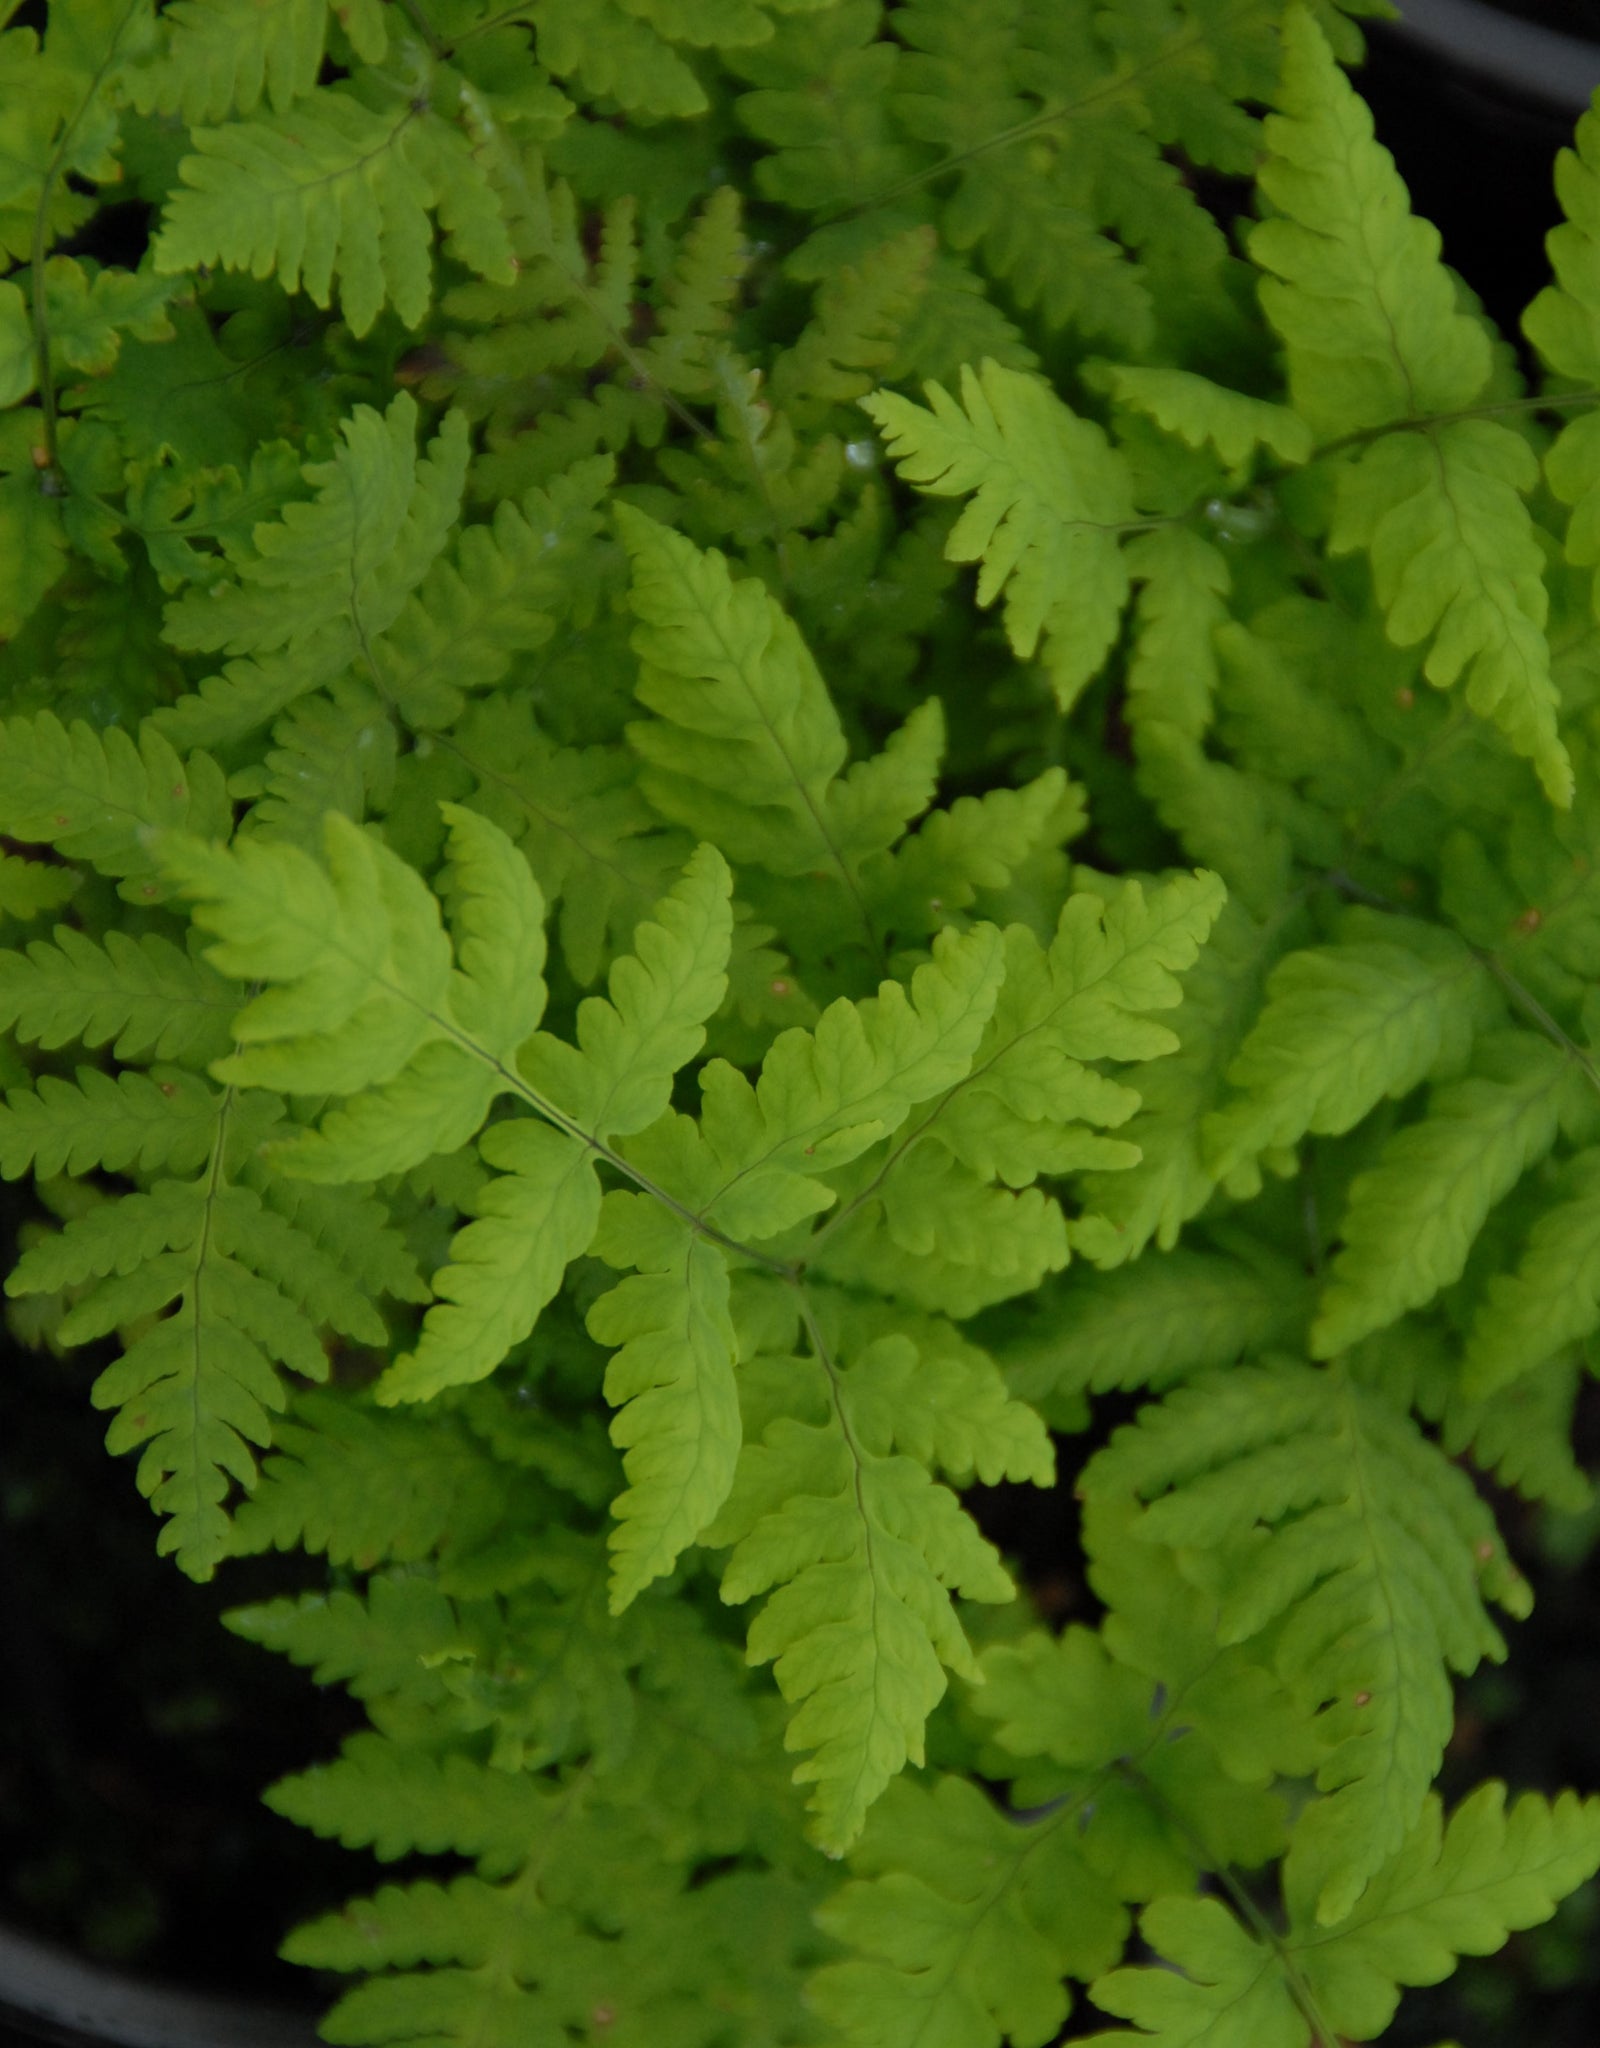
(1187, 1312)
(1455, 556)
(544, 1211)
(96, 797)
(1411, 1219)
(144, 993)
(937, 1236)
(326, 579)
(145, 1123)
(1522, 1432)
(747, 744)
(391, 1644)
(1355, 285)
(614, 53)
(678, 1427)
(826, 1096)
(28, 888)
(226, 56)
(1049, 500)
(1561, 323)
(1249, 1721)
(1375, 339)
(434, 1100)
(1032, 1093)
(596, 847)
(1343, 1027)
(1172, 676)
(498, 593)
(378, 1796)
(859, 1552)
(964, 1923)
(334, 751)
(336, 189)
(1171, 1182)
(936, 1396)
(1312, 1503)
(357, 950)
(1448, 1892)
(974, 844)
(246, 1291)
(1207, 415)
(856, 332)
(1552, 1299)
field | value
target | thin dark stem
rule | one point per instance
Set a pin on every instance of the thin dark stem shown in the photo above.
(1245, 1906)
(425, 29)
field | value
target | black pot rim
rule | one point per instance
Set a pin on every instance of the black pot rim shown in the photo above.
(49, 1994)
(1501, 51)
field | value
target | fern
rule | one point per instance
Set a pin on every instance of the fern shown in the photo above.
(606, 1044)
(1049, 499)
(1368, 352)
(1450, 1891)
(1371, 1608)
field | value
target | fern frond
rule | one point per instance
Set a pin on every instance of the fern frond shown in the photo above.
(1311, 1503)
(1410, 1219)
(129, 1122)
(1552, 1297)
(698, 298)
(672, 1380)
(598, 850)
(1449, 1891)
(324, 580)
(824, 1097)
(1344, 1026)
(938, 1236)
(1033, 1095)
(746, 743)
(1150, 1200)
(96, 797)
(544, 1211)
(1207, 415)
(1367, 310)
(145, 993)
(333, 188)
(669, 1774)
(1522, 1432)
(28, 888)
(942, 1400)
(390, 1644)
(226, 56)
(497, 593)
(238, 1289)
(331, 751)
(961, 849)
(855, 333)
(1253, 1728)
(361, 960)
(859, 1552)
(615, 51)
(1187, 1312)
(376, 1795)
(965, 1924)
(965, 1918)
(1455, 556)
(1050, 499)
(1562, 325)
(1376, 339)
